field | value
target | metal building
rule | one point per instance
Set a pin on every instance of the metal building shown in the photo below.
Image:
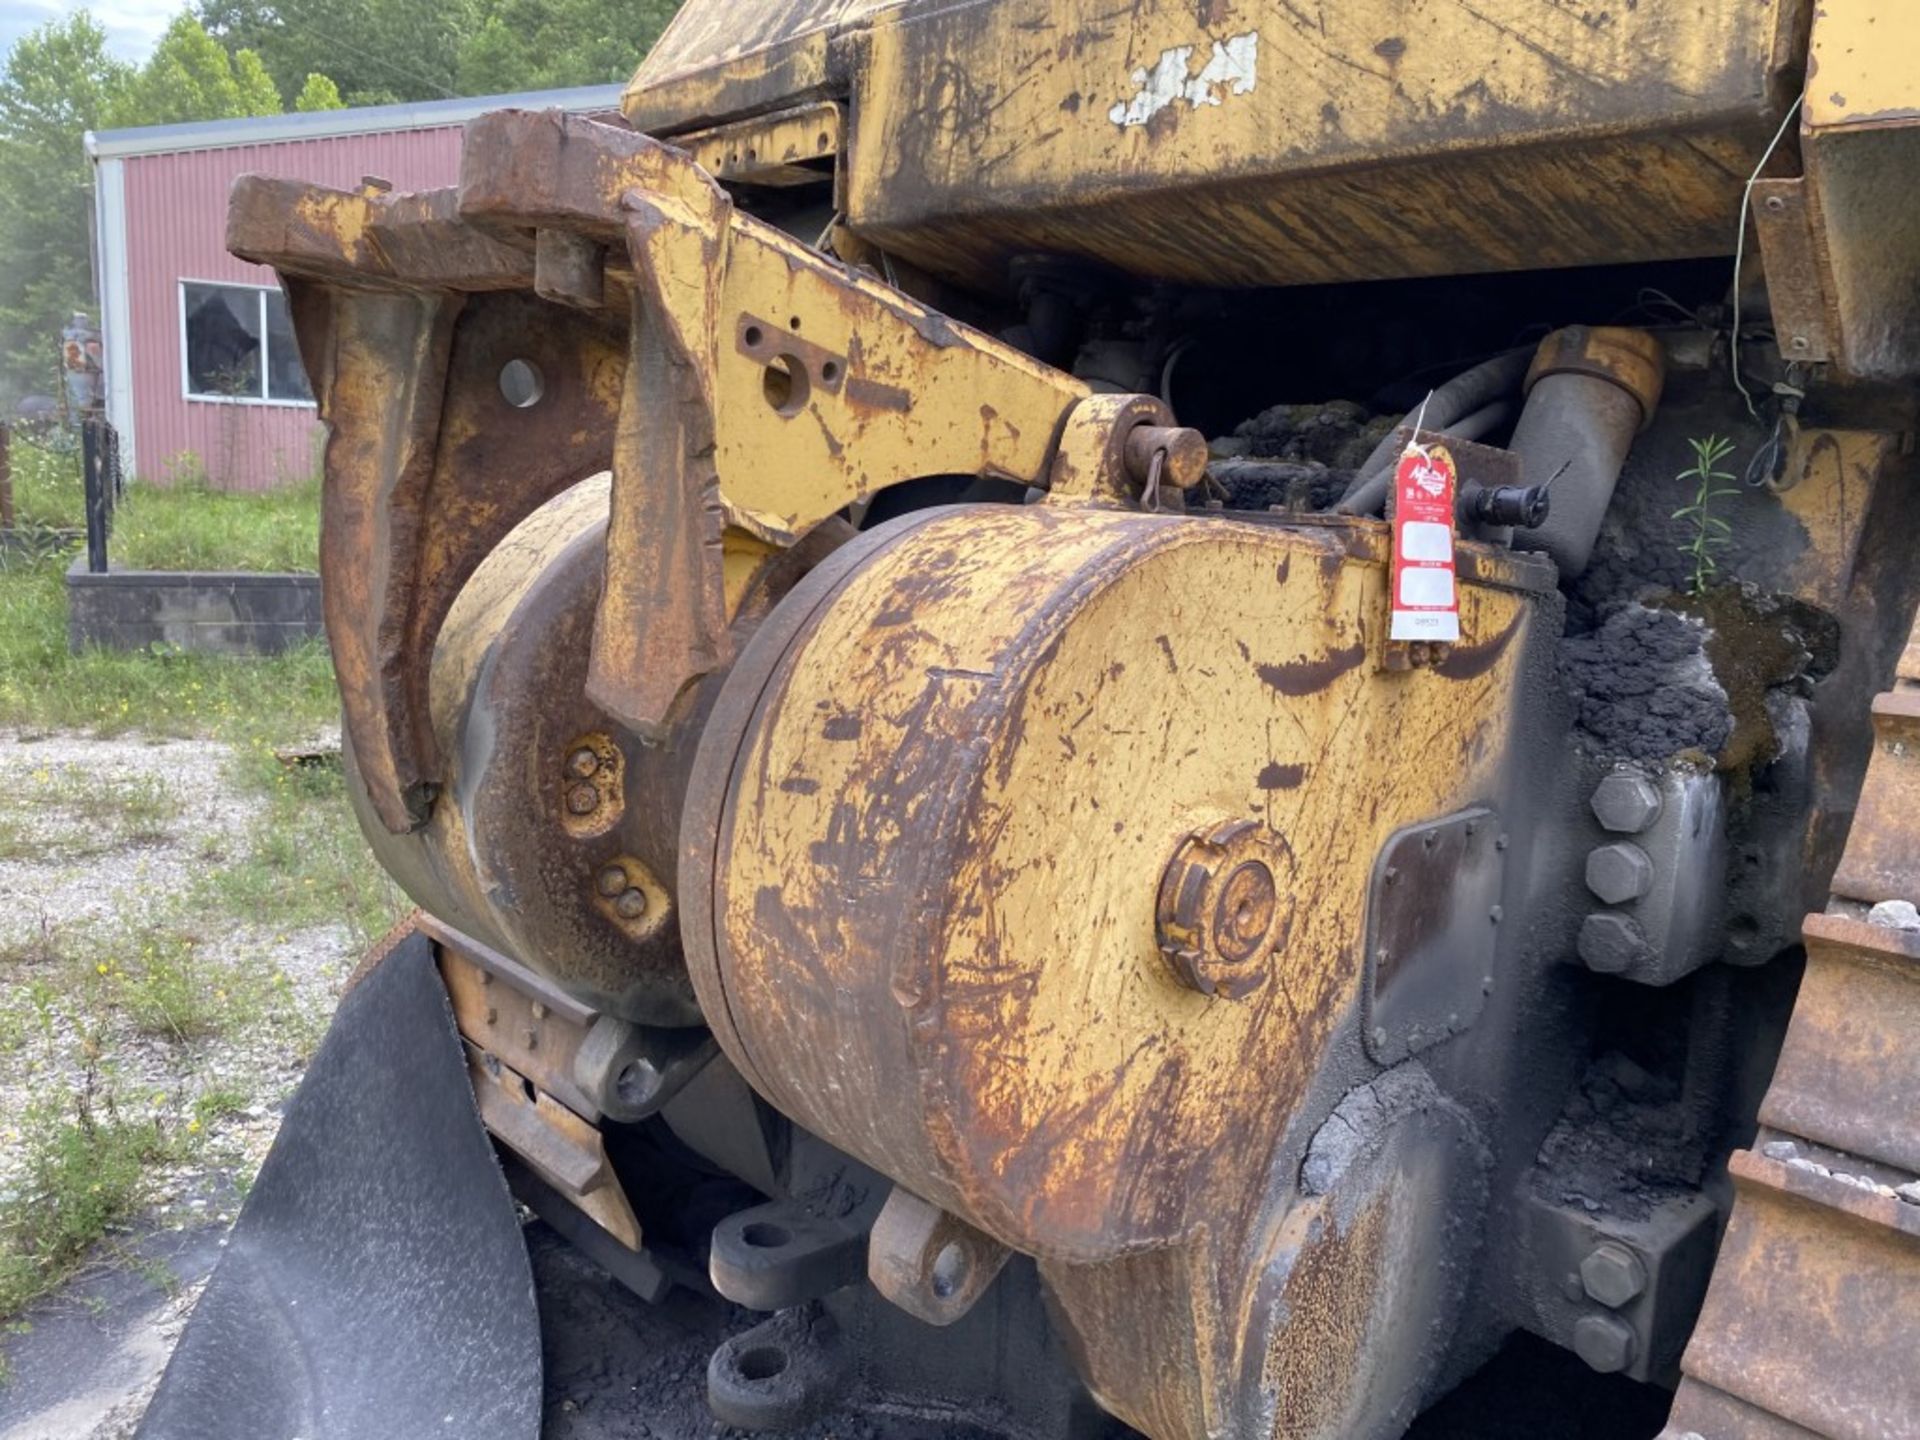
(201, 372)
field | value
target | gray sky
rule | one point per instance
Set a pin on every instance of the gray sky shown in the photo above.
(132, 26)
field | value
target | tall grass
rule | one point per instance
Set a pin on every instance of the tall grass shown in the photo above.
(44, 686)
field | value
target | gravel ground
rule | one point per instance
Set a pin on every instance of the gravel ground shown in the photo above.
(93, 888)
(101, 837)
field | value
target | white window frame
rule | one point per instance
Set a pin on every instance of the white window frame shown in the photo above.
(187, 392)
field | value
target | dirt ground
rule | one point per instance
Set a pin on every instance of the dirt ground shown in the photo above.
(618, 1369)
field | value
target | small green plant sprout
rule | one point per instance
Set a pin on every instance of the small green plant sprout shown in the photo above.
(1707, 532)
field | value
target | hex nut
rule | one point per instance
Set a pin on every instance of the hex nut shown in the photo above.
(1610, 943)
(1626, 803)
(1619, 872)
(1613, 1274)
(1605, 1342)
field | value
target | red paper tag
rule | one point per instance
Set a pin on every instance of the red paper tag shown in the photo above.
(1426, 602)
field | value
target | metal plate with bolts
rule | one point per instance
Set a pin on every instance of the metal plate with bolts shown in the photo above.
(1432, 922)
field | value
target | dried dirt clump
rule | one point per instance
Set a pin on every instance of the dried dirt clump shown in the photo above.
(1644, 688)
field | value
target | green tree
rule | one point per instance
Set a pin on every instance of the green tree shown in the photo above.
(58, 83)
(381, 51)
(548, 44)
(376, 51)
(191, 77)
(318, 93)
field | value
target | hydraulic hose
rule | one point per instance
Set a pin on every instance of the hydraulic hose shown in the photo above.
(1462, 398)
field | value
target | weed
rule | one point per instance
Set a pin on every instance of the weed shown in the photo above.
(161, 978)
(190, 526)
(306, 862)
(217, 1103)
(47, 491)
(43, 685)
(1708, 533)
(85, 1172)
(37, 947)
(73, 813)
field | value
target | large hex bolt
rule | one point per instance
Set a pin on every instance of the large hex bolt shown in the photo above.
(1626, 803)
(1604, 1341)
(1610, 943)
(1619, 872)
(1612, 1274)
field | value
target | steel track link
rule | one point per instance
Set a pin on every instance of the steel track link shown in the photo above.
(1810, 1323)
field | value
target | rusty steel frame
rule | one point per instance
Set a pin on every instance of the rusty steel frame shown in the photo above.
(771, 394)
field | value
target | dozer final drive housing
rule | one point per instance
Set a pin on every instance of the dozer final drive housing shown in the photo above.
(1155, 716)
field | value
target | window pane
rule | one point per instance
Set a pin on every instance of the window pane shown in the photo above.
(223, 340)
(286, 377)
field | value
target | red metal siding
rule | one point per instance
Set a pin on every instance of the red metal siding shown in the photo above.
(176, 228)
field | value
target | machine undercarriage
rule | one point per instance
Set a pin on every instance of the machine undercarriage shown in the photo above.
(926, 823)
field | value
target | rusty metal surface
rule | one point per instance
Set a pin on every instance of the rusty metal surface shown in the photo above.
(1632, 359)
(1860, 143)
(861, 388)
(515, 863)
(1799, 283)
(962, 718)
(1810, 1317)
(480, 354)
(523, 1038)
(429, 466)
(368, 237)
(771, 149)
(1808, 1325)
(1881, 861)
(716, 61)
(1849, 1074)
(507, 1011)
(431, 462)
(559, 1146)
(1243, 144)
(931, 1264)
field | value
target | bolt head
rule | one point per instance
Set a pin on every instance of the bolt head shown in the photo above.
(1611, 943)
(582, 799)
(582, 763)
(1604, 1341)
(1619, 873)
(631, 905)
(1612, 1274)
(1626, 803)
(611, 880)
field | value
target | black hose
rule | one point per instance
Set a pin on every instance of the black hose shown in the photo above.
(1368, 492)
(1462, 398)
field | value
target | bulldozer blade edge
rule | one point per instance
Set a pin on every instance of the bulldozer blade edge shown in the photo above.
(375, 1283)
